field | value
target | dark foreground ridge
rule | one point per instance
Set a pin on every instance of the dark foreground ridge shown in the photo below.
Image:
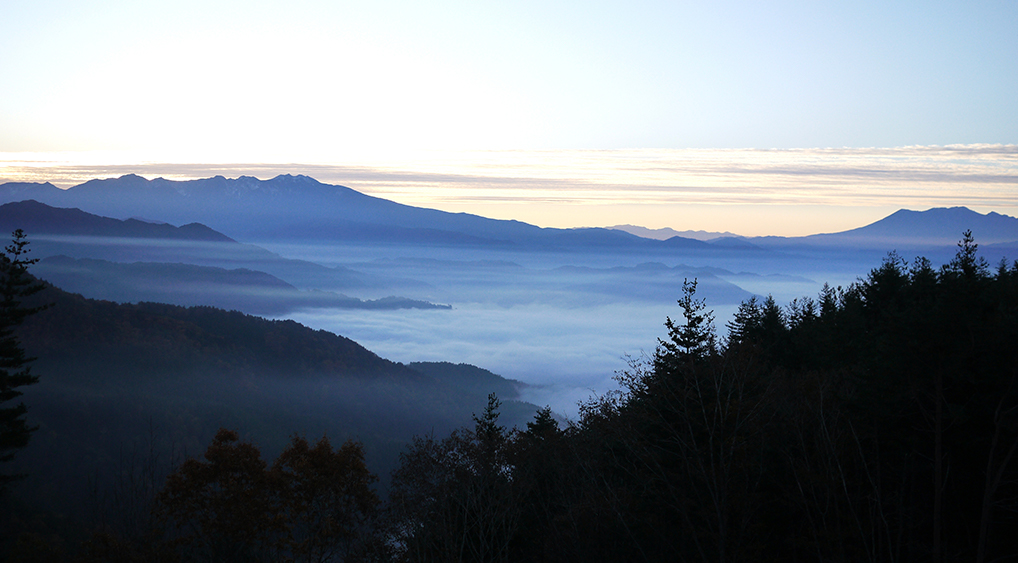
(877, 422)
(127, 388)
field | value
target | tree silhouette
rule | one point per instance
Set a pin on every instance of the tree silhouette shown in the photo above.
(314, 504)
(457, 499)
(225, 507)
(327, 499)
(15, 285)
(692, 340)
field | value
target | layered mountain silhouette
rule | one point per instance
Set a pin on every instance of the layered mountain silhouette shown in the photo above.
(36, 217)
(299, 207)
(667, 233)
(132, 260)
(189, 285)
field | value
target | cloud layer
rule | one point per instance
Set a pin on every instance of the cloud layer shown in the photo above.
(747, 191)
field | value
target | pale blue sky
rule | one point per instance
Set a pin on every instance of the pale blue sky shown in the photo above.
(285, 80)
(420, 87)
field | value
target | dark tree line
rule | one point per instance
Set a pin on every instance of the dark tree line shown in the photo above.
(877, 422)
(874, 423)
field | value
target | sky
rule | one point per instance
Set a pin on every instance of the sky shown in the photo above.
(756, 118)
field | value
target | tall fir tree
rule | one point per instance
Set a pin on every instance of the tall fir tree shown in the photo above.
(15, 285)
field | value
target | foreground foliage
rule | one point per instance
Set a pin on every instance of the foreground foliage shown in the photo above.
(313, 504)
(875, 423)
(878, 422)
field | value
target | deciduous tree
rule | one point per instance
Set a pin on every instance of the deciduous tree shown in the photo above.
(224, 507)
(327, 499)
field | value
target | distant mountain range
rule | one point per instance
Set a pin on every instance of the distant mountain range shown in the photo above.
(666, 233)
(301, 208)
(238, 289)
(131, 261)
(914, 229)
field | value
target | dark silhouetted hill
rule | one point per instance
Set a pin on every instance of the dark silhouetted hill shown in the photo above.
(114, 378)
(36, 217)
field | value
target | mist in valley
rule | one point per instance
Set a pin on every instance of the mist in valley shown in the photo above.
(562, 310)
(378, 327)
(653, 281)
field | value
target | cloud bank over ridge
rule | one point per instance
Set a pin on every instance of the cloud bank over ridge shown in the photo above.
(746, 191)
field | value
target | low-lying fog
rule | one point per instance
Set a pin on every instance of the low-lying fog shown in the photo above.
(562, 324)
(566, 354)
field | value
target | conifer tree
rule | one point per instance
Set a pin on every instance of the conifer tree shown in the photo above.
(15, 285)
(692, 340)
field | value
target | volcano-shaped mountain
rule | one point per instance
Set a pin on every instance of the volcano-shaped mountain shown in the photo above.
(939, 226)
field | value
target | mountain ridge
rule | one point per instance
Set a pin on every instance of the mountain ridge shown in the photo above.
(115, 250)
(299, 207)
(33, 215)
(115, 375)
(937, 226)
(667, 233)
(188, 285)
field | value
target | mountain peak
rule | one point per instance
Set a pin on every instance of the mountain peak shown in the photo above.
(14, 191)
(296, 178)
(934, 226)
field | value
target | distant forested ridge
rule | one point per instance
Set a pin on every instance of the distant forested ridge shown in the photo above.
(132, 261)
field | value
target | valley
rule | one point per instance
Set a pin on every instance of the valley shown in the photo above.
(560, 309)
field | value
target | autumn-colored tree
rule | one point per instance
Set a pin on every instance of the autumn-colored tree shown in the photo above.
(225, 507)
(315, 504)
(329, 504)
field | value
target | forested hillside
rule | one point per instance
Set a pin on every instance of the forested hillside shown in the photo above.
(121, 386)
(874, 423)
(877, 422)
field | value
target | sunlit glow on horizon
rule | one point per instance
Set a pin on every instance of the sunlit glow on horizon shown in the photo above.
(747, 191)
